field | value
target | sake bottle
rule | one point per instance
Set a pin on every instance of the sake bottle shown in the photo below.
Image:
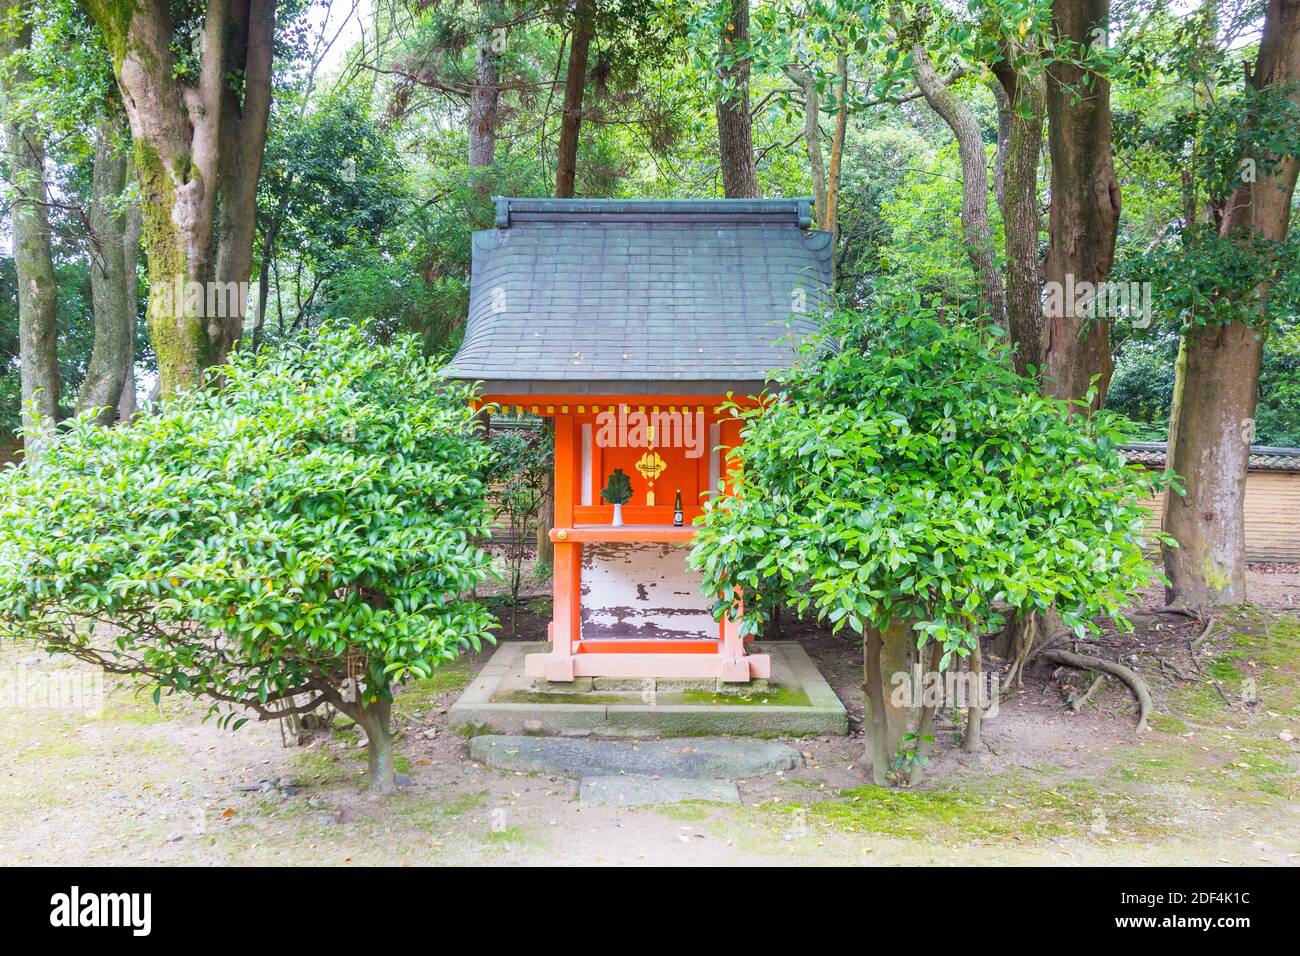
(677, 510)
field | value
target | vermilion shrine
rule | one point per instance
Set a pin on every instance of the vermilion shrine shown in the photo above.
(629, 324)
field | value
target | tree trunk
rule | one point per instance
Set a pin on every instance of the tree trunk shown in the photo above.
(33, 261)
(243, 142)
(884, 654)
(925, 726)
(484, 101)
(976, 234)
(877, 754)
(1020, 220)
(812, 137)
(114, 311)
(1217, 383)
(374, 719)
(735, 129)
(264, 274)
(575, 84)
(832, 219)
(1084, 216)
(127, 403)
(176, 131)
(1212, 422)
(1005, 120)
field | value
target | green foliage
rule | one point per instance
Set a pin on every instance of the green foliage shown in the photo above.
(330, 207)
(518, 481)
(1209, 280)
(331, 179)
(1277, 416)
(1142, 387)
(618, 489)
(926, 252)
(309, 520)
(907, 474)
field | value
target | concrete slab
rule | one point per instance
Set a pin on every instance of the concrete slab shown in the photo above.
(695, 759)
(796, 701)
(636, 790)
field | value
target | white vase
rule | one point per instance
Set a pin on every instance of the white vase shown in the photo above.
(618, 516)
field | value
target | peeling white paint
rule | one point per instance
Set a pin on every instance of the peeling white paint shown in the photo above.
(642, 591)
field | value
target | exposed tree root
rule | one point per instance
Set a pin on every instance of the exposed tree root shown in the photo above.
(1076, 703)
(1085, 662)
(1178, 610)
(1199, 639)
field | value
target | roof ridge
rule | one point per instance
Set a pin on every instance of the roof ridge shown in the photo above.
(1254, 449)
(794, 211)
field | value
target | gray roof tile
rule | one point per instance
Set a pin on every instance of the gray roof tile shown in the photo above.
(620, 296)
(1262, 457)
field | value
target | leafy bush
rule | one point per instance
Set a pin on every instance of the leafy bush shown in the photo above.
(906, 477)
(302, 532)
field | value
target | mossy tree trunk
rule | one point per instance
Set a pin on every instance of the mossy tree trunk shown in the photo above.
(1217, 383)
(177, 128)
(33, 262)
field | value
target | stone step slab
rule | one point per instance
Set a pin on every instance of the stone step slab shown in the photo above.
(690, 757)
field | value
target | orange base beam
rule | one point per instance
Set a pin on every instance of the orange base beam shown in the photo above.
(731, 670)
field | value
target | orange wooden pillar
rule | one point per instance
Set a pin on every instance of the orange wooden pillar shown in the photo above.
(566, 579)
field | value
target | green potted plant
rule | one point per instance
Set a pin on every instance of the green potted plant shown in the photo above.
(618, 492)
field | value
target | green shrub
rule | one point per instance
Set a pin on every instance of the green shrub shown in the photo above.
(301, 532)
(908, 474)
(906, 483)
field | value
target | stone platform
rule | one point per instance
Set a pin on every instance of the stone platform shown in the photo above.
(796, 701)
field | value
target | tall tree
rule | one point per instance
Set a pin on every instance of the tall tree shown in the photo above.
(976, 234)
(181, 110)
(245, 109)
(581, 29)
(1217, 386)
(128, 401)
(1019, 76)
(484, 100)
(825, 180)
(112, 288)
(1084, 214)
(33, 261)
(735, 125)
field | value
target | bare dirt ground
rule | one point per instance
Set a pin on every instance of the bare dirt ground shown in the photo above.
(1214, 782)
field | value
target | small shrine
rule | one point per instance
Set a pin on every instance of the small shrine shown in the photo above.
(629, 324)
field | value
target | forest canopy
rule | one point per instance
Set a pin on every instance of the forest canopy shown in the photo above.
(1110, 183)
